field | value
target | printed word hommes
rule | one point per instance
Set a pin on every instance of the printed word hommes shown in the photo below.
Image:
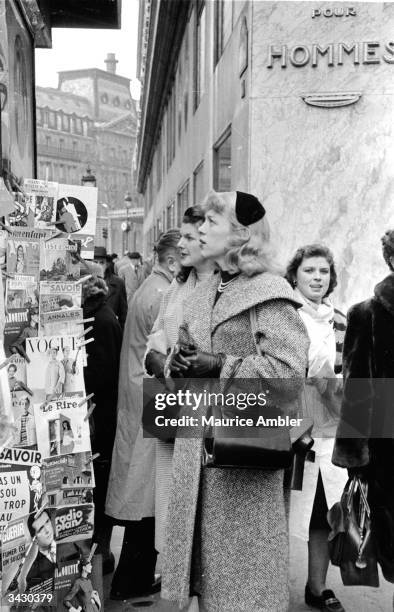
(332, 54)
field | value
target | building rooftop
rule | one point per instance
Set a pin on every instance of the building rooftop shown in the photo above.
(63, 101)
(67, 75)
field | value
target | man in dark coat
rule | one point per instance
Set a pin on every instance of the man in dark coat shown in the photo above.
(116, 298)
(101, 378)
(365, 435)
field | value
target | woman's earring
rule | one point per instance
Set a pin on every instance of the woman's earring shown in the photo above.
(294, 283)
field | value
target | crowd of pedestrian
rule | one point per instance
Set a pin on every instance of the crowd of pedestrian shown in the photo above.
(216, 305)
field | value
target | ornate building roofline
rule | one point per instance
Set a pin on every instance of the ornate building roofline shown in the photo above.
(97, 72)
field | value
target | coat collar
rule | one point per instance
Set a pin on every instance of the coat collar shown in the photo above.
(245, 292)
(384, 292)
(159, 270)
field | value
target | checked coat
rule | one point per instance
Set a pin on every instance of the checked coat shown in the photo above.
(228, 527)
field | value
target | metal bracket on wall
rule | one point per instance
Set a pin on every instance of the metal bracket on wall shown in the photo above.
(332, 99)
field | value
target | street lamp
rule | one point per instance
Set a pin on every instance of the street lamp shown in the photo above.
(126, 226)
(88, 180)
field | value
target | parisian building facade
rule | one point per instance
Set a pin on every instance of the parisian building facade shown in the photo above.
(287, 100)
(90, 123)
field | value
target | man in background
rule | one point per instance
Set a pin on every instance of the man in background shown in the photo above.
(130, 498)
(131, 272)
(117, 298)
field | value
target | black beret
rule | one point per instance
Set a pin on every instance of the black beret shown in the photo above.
(248, 209)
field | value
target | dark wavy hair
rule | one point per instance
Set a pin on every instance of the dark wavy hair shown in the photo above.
(311, 250)
(388, 247)
(193, 215)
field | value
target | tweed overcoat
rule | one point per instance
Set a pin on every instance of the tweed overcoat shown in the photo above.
(131, 485)
(235, 517)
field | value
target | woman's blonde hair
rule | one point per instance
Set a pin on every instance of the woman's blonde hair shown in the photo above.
(250, 251)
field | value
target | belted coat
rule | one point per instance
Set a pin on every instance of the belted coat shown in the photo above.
(228, 527)
(131, 486)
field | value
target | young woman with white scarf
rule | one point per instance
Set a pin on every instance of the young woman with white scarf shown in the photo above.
(312, 274)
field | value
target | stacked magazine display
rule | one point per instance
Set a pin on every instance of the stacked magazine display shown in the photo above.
(46, 463)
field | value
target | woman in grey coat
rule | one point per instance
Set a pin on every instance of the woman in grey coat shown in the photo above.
(227, 527)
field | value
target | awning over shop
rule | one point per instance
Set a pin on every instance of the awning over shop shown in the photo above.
(84, 13)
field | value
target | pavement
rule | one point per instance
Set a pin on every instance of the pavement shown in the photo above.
(354, 599)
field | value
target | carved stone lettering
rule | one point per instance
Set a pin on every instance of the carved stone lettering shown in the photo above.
(318, 50)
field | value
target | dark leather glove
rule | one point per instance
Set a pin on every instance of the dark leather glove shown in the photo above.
(154, 363)
(179, 362)
(205, 365)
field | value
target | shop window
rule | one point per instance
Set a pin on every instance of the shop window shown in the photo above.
(78, 125)
(157, 229)
(186, 77)
(223, 25)
(222, 163)
(182, 201)
(170, 216)
(171, 129)
(199, 53)
(158, 165)
(198, 184)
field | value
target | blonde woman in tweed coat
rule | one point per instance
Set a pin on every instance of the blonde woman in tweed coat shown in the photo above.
(228, 528)
(195, 270)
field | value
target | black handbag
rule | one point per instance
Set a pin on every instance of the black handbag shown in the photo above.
(270, 448)
(350, 541)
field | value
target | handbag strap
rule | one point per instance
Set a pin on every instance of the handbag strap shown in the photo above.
(351, 488)
(253, 327)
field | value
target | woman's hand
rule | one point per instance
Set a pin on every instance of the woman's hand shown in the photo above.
(154, 363)
(205, 365)
(180, 360)
(95, 599)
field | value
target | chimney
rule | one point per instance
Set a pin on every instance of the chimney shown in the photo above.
(111, 63)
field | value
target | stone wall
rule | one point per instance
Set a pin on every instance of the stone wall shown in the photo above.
(326, 173)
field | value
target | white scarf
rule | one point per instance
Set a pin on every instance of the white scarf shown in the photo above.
(319, 324)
